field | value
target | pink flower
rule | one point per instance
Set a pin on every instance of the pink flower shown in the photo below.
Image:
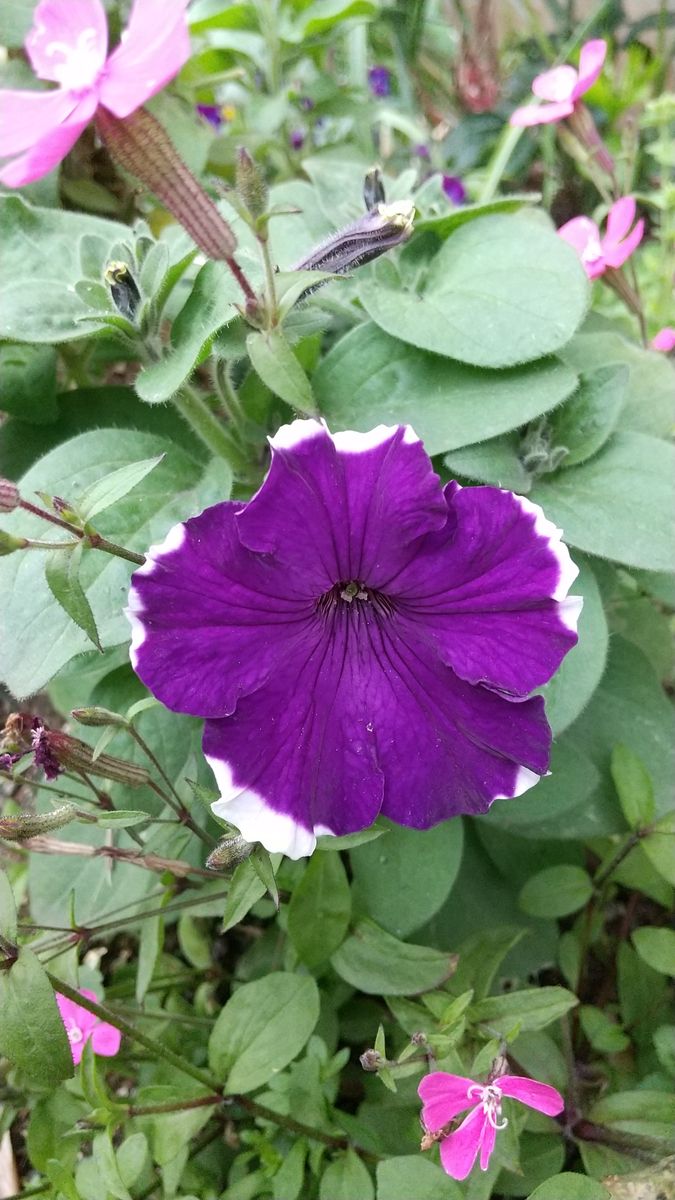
(81, 1025)
(664, 340)
(597, 253)
(445, 1096)
(68, 44)
(561, 87)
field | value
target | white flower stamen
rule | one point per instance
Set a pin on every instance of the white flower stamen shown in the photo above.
(74, 1032)
(490, 1098)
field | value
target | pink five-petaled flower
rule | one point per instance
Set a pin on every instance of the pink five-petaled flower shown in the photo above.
(561, 87)
(664, 340)
(68, 45)
(81, 1025)
(596, 252)
(445, 1096)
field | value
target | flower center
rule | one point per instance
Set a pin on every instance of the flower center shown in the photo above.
(592, 251)
(490, 1098)
(353, 595)
(74, 1032)
(80, 63)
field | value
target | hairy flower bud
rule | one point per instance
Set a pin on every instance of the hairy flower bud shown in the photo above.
(123, 288)
(229, 852)
(17, 829)
(377, 231)
(372, 1060)
(9, 543)
(70, 752)
(98, 716)
(9, 496)
(251, 185)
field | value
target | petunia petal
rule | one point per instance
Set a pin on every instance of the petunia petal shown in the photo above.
(50, 150)
(444, 1096)
(68, 41)
(353, 503)
(460, 1149)
(105, 1039)
(541, 114)
(591, 60)
(27, 117)
(490, 591)
(210, 619)
(154, 47)
(556, 84)
(542, 1096)
(619, 220)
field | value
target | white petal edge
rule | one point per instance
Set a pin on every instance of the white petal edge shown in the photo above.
(547, 530)
(348, 441)
(135, 608)
(525, 779)
(256, 821)
(570, 611)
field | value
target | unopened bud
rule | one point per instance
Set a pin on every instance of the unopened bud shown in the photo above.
(78, 756)
(9, 543)
(18, 829)
(373, 189)
(9, 496)
(372, 1060)
(123, 289)
(500, 1066)
(385, 226)
(229, 852)
(98, 716)
(251, 185)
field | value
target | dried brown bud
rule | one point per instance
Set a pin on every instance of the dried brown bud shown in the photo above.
(9, 496)
(372, 1060)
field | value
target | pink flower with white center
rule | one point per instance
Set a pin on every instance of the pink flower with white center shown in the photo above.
(68, 45)
(81, 1026)
(561, 87)
(596, 252)
(664, 340)
(444, 1096)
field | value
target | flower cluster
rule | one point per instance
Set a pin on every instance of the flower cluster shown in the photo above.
(360, 639)
(68, 45)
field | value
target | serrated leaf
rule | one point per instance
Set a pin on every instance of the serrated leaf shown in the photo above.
(111, 488)
(275, 363)
(62, 572)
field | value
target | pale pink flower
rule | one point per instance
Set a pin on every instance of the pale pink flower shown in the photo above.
(81, 1025)
(445, 1096)
(68, 45)
(561, 87)
(664, 340)
(596, 252)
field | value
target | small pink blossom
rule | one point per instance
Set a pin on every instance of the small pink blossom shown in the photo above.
(68, 45)
(596, 252)
(664, 340)
(445, 1096)
(561, 87)
(81, 1025)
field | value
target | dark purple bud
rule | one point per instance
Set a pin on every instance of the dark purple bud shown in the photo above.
(44, 755)
(379, 81)
(296, 139)
(454, 189)
(377, 231)
(306, 102)
(211, 113)
(123, 289)
(7, 761)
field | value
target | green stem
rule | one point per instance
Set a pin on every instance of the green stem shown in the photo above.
(271, 308)
(357, 54)
(173, 800)
(90, 536)
(208, 428)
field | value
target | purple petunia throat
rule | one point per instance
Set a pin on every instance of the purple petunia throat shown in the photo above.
(359, 639)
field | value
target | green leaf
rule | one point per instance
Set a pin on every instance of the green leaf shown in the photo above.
(402, 881)
(320, 17)
(177, 488)
(262, 865)
(643, 1111)
(287, 1182)
(495, 461)
(350, 840)
(377, 963)
(576, 679)
(480, 957)
(209, 306)
(568, 1186)
(39, 267)
(617, 504)
(28, 382)
(446, 223)
(276, 364)
(501, 290)
(107, 1169)
(111, 488)
(532, 1008)
(601, 1031)
(634, 787)
(584, 423)
(150, 946)
(408, 1176)
(556, 891)
(32, 1034)
(262, 1028)
(550, 809)
(656, 947)
(7, 908)
(658, 847)
(246, 889)
(320, 908)
(346, 1178)
(123, 818)
(62, 572)
(370, 378)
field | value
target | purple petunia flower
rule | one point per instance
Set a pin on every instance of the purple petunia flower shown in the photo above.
(379, 81)
(359, 639)
(454, 189)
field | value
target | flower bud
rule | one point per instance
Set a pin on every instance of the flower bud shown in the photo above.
(250, 183)
(229, 852)
(123, 289)
(17, 829)
(9, 496)
(9, 543)
(70, 752)
(373, 189)
(98, 716)
(385, 226)
(372, 1060)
